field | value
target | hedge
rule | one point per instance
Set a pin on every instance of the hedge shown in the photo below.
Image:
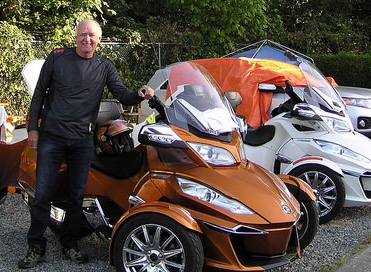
(347, 69)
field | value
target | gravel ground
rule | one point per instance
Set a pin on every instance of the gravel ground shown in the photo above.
(335, 241)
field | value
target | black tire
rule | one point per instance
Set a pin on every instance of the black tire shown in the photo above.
(169, 247)
(328, 187)
(3, 195)
(308, 222)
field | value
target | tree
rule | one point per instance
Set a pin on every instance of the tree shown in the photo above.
(52, 20)
(15, 51)
(325, 26)
(212, 26)
(47, 20)
(221, 24)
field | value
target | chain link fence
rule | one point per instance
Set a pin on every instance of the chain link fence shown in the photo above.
(159, 54)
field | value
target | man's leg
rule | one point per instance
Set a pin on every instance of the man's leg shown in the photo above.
(78, 160)
(49, 158)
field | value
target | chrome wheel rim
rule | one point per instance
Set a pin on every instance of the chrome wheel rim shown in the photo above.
(153, 247)
(324, 188)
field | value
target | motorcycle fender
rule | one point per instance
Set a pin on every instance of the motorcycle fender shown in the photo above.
(298, 188)
(179, 214)
(314, 160)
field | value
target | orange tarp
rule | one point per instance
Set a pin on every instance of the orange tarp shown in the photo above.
(244, 75)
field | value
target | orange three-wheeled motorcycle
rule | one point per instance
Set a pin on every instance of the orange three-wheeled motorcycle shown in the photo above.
(186, 196)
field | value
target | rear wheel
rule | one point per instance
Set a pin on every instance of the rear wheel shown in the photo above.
(153, 242)
(328, 187)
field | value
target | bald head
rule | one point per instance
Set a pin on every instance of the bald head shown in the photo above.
(88, 35)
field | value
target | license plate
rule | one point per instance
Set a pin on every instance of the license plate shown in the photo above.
(25, 196)
(57, 214)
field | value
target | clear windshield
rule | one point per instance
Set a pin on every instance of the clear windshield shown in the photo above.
(194, 100)
(319, 91)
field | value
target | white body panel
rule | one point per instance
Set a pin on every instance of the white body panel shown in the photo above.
(295, 145)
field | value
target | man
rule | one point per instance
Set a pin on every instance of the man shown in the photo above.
(66, 99)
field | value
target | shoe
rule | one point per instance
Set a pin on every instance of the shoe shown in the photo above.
(75, 255)
(34, 255)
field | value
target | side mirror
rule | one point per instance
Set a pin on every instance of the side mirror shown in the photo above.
(267, 87)
(304, 111)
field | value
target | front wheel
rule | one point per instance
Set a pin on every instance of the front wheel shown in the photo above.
(153, 242)
(328, 187)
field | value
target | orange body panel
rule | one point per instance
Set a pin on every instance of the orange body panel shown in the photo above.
(10, 159)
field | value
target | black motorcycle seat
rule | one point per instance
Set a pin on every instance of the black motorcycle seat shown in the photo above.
(260, 135)
(118, 166)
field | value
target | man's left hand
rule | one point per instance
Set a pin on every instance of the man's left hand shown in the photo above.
(146, 92)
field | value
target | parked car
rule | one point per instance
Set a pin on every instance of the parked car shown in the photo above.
(358, 101)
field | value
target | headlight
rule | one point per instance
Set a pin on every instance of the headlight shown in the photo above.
(211, 196)
(358, 102)
(337, 124)
(342, 151)
(213, 154)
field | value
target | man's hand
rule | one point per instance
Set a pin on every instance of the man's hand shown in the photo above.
(146, 92)
(33, 138)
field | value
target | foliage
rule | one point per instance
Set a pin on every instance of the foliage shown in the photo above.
(345, 68)
(133, 67)
(157, 33)
(325, 26)
(52, 20)
(221, 23)
(15, 51)
(212, 27)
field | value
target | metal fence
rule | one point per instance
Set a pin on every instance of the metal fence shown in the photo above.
(159, 54)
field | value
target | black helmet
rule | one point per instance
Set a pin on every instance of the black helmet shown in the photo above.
(114, 137)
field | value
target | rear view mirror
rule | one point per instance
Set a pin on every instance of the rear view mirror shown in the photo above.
(267, 87)
(304, 111)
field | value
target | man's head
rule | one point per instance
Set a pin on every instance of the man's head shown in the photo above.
(88, 35)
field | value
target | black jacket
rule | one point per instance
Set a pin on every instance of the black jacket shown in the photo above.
(69, 90)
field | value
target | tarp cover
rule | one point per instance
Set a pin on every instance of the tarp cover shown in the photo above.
(244, 75)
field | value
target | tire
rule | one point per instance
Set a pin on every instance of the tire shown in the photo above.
(328, 187)
(3, 195)
(308, 222)
(153, 242)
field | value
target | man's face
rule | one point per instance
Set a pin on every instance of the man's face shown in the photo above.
(87, 39)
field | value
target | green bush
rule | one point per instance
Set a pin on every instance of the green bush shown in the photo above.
(15, 52)
(347, 69)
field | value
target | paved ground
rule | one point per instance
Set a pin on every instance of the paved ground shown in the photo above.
(360, 262)
(332, 249)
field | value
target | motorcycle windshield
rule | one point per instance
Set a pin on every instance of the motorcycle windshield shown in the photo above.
(195, 101)
(319, 91)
